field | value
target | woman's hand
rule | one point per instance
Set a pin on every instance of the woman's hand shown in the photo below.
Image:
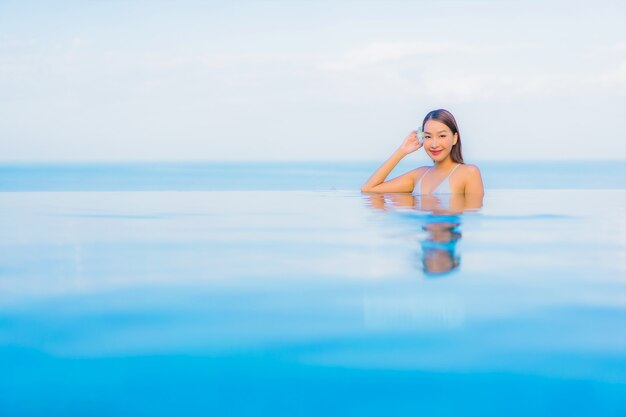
(410, 144)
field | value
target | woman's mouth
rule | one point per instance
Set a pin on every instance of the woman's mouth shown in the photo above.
(436, 152)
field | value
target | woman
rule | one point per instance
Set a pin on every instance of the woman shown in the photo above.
(449, 175)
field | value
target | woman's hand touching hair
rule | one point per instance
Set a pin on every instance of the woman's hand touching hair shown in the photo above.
(410, 144)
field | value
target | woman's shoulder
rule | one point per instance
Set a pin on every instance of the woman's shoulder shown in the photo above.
(418, 172)
(472, 180)
(469, 170)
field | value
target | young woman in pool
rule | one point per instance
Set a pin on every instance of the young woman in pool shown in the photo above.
(448, 175)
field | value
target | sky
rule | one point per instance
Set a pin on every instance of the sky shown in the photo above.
(309, 80)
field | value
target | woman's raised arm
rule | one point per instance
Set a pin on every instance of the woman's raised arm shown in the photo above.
(402, 184)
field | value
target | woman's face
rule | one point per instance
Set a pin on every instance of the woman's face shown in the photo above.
(438, 140)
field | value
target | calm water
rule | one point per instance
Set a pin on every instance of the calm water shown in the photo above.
(279, 289)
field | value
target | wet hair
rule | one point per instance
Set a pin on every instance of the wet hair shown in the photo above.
(445, 117)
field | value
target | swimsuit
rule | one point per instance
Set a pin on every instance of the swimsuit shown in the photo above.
(442, 188)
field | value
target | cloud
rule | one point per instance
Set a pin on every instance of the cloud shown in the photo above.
(613, 78)
(7, 42)
(78, 42)
(496, 86)
(619, 47)
(384, 52)
(460, 72)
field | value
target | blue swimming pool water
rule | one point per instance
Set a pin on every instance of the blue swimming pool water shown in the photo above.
(157, 297)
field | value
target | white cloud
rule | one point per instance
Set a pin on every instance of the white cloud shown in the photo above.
(619, 47)
(612, 78)
(463, 88)
(78, 42)
(14, 43)
(460, 72)
(383, 52)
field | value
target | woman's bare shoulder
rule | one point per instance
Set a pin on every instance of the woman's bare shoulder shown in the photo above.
(420, 169)
(473, 182)
(418, 172)
(469, 170)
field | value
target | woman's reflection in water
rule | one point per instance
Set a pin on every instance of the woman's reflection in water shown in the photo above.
(442, 221)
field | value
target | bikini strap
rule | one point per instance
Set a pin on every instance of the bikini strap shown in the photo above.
(419, 182)
(453, 169)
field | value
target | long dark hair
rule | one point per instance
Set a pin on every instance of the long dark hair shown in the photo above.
(445, 117)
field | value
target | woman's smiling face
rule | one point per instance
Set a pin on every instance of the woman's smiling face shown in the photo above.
(438, 140)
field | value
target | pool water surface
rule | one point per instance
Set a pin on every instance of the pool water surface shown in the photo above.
(312, 302)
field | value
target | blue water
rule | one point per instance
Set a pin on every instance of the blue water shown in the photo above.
(246, 176)
(279, 289)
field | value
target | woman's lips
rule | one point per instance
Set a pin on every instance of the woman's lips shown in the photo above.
(436, 152)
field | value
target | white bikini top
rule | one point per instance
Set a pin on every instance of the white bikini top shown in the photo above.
(442, 188)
